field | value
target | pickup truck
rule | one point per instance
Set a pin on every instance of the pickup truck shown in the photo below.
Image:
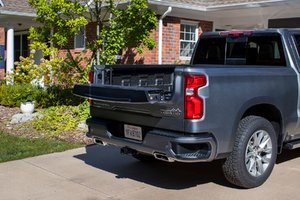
(238, 100)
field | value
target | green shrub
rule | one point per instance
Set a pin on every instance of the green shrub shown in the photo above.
(56, 120)
(27, 71)
(57, 96)
(14, 95)
(54, 70)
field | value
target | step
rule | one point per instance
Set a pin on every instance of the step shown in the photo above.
(292, 145)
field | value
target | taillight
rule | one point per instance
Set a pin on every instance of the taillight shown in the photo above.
(193, 104)
(236, 33)
(91, 79)
(91, 76)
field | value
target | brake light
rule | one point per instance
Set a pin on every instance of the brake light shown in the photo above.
(91, 76)
(236, 33)
(193, 104)
(91, 80)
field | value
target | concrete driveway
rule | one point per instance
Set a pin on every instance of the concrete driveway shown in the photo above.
(97, 172)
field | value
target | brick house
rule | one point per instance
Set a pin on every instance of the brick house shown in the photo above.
(180, 24)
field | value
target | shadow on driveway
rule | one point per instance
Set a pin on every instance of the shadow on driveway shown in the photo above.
(162, 174)
(159, 174)
(288, 155)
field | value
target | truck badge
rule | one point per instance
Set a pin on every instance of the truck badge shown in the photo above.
(172, 112)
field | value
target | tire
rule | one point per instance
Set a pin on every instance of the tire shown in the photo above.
(144, 157)
(254, 153)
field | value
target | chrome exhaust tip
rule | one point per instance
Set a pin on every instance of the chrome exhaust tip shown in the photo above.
(163, 157)
(100, 142)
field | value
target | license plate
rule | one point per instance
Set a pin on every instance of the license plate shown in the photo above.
(133, 132)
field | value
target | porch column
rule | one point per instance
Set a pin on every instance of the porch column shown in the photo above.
(160, 34)
(10, 52)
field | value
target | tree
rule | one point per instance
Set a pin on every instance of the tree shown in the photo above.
(60, 20)
(119, 25)
(119, 28)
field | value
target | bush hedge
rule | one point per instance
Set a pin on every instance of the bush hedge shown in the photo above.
(57, 96)
(14, 95)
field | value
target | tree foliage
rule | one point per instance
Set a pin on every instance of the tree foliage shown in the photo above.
(63, 17)
(120, 24)
(60, 20)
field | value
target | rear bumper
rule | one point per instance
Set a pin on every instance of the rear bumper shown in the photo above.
(175, 146)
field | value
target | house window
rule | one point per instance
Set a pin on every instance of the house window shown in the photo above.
(188, 39)
(20, 45)
(79, 39)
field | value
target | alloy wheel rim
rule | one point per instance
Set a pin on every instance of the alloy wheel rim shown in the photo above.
(258, 153)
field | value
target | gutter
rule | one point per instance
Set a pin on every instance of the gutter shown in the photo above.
(23, 14)
(177, 5)
(215, 7)
(160, 33)
(243, 5)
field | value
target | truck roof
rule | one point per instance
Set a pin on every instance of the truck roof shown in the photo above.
(236, 33)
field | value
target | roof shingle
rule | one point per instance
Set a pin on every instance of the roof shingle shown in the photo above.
(216, 3)
(21, 6)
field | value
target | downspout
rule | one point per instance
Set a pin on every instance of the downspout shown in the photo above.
(160, 34)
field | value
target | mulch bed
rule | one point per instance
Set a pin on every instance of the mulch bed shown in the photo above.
(6, 113)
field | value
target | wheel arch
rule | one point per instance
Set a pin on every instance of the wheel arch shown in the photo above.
(272, 114)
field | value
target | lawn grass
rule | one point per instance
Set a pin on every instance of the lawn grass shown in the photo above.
(14, 148)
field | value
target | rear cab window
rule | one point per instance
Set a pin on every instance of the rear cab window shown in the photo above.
(259, 49)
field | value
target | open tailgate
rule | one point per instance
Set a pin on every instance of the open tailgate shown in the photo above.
(118, 93)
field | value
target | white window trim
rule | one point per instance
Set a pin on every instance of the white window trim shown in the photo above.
(193, 23)
(84, 41)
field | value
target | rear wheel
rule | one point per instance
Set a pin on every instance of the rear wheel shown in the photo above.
(254, 154)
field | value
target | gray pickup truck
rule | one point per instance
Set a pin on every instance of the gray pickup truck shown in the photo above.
(238, 100)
